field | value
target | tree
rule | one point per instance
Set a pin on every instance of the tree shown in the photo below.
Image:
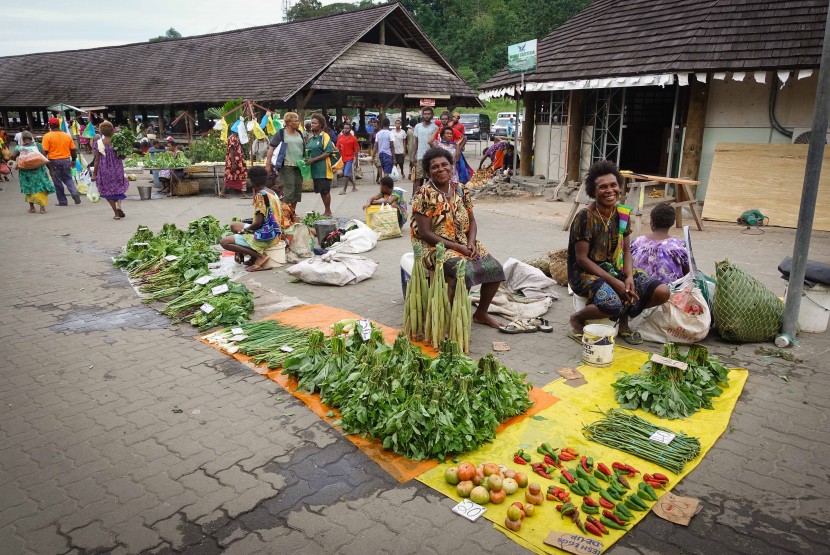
(306, 9)
(170, 34)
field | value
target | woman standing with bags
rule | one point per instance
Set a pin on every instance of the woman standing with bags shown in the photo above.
(287, 148)
(108, 171)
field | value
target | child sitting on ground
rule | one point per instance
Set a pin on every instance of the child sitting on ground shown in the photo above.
(391, 195)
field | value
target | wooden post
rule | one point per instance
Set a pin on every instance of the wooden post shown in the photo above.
(576, 115)
(200, 118)
(693, 140)
(382, 32)
(5, 113)
(162, 120)
(528, 125)
(338, 113)
(30, 121)
(302, 101)
(144, 117)
(131, 117)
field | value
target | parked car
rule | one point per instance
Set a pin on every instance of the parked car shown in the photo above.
(499, 129)
(476, 126)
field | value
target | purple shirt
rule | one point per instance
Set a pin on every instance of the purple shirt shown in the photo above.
(665, 260)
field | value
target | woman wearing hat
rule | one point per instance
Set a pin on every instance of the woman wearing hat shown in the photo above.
(236, 172)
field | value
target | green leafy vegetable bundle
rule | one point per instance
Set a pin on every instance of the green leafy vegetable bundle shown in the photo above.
(268, 341)
(166, 160)
(311, 218)
(670, 392)
(419, 407)
(123, 142)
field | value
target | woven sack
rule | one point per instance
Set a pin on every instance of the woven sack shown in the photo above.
(185, 188)
(559, 266)
(745, 310)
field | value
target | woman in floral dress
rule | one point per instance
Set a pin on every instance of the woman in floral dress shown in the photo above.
(108, 171)
(236, 172)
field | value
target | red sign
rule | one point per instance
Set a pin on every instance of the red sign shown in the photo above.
(428, 102)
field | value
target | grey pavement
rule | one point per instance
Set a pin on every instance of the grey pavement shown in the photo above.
(119, 433)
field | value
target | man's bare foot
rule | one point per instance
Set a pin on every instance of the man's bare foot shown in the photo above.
(32, 210)
(486, 319)
(354, 189)
(576, 324)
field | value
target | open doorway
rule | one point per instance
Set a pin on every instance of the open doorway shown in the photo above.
(647, 129)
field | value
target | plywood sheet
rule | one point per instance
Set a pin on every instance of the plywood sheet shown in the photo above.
(768, 177)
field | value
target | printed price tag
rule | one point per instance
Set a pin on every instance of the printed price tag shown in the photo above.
(219, 289)
(365, 329)
(237, 331)
(662, 437)
(207, 308)
(286, 349)
(171, 257)
(141, 244)
(469, 510)
(239, 337)
(203, 280)
(670, 362)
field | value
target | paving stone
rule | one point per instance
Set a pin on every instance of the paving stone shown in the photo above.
(91, 537)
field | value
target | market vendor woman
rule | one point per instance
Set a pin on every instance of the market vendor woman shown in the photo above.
(600, 267)
(442, 212)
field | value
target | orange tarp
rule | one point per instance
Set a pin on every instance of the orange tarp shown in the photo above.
(323, 317)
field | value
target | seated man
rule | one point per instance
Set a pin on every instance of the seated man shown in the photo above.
(600, 265)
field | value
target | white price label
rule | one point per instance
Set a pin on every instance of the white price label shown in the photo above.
(662, 437)
(239, 337)
(286, 349)
(171, 257)
(237, 331)
(207, 308)
(469, 510)
(203, 280)
(365, 329)
(669, 362)
(219, 289)
(141, 244)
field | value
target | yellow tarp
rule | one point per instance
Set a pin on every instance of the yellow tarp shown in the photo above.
(562, 427)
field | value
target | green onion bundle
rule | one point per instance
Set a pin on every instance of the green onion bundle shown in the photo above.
(417, 299)
(460, 318)
(627, 432)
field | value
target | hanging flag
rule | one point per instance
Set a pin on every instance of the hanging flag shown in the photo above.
(64, 128)
(263, 123)
(242, 131)
(89, 131)
(275, 121)
(223, 134)
(76, 132)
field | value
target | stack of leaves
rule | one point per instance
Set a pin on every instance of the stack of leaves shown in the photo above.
(630, 433)
(123, 142)
(166, 160)
(418, 407)
(417, 299)
(670, 392)
(312, 218)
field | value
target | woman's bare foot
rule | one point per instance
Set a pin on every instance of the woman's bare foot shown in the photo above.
(576, 324)
(258, 263)
(485, 319)
(327, 214)
(32, 210)
(43, 210)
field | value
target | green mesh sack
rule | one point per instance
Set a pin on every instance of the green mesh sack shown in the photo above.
(745, 310)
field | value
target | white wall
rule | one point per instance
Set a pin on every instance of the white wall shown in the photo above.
(738, 112)
(550, 151)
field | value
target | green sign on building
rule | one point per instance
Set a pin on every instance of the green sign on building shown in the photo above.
(521, 58)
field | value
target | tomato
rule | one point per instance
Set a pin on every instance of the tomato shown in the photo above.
(497, 496)
(494, 482)
(510, 486)
(514, 513)
(466, 471)
(464, 488)
(529, 509)
(478, 477)
(534, 488)
(510, 474)
(491, 468)
(521, 479)
(485, 483)
(451, 476)
(480, 495)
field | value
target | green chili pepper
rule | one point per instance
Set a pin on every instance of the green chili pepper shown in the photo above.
(563, 480)
(623, 508)
(622, 516)
(590, 461)
(607, 496)
(614, 494)
(581, 473)
(600, 475)
(611, 524)
(643, 494)
(583, 483)
(526, 457)
(651, 491)
(594, 483)
(638, 500)
(590, 510)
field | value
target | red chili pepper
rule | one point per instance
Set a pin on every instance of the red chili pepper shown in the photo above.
(559, 508)
(566, 456)
(661, 477)
(612, 516)
(519, 460)
(593, 529)
(600, 526)
(584, 462)
(655, 484)
(568, 476)
(631, 470)
(605, 503)
(622, 479)
(604, 469)
(552, 462)
(588, 501)
(541, 472)
(572, 451)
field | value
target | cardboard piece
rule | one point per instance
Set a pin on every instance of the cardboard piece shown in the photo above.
(500, 346)
(573, 543)
(674, 508)
(576, 383)
(569, 373)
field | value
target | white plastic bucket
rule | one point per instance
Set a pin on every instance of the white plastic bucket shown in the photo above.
(598, 345)
(582, 302)
(814, 313)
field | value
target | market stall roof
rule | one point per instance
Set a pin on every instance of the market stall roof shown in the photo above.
(269, 63)
(60, 107)
(658, 39)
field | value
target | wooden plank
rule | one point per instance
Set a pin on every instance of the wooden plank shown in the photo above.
(661, 179)
(768, 177)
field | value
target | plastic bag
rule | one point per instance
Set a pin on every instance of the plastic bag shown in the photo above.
(334, 268)
(685, 318)
(302, 242)
(5, 169)
(358, 240)
(396, 174)
(385, 222)
(305, 169)
(31, 160)
(92, 193)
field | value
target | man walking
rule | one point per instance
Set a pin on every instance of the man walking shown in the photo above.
(383, 148)
(348, 146)
(60, 149)
(424, 132)
(399, 142)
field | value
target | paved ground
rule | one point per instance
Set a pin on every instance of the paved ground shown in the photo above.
(93, 457)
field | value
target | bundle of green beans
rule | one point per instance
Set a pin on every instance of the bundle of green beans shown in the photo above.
(627, 432)
(438, 315)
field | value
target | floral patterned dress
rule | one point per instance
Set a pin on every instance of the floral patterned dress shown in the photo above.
(666, 260)
(35, 181)
(264, 201)
(450, 218)
(236, 172)
(109, 176)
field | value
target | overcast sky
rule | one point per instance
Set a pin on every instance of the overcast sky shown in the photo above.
(47, 26)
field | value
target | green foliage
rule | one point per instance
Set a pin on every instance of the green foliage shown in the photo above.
(171, 33)
(208, 149)
(306, 9)
(123, 142)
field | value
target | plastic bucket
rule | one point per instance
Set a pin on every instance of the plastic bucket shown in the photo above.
(145, 191)
(814, 311)
(598, 345)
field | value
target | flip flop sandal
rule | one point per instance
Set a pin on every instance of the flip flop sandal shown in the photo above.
(575, 336)
(632, 337)
(518, 326)
(541, 324)
(121, 213)
(239, 258)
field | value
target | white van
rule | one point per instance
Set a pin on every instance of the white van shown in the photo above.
(506, 115)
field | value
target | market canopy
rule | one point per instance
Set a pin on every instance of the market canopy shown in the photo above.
(379, 49)
(621, 43)
(60, 107)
